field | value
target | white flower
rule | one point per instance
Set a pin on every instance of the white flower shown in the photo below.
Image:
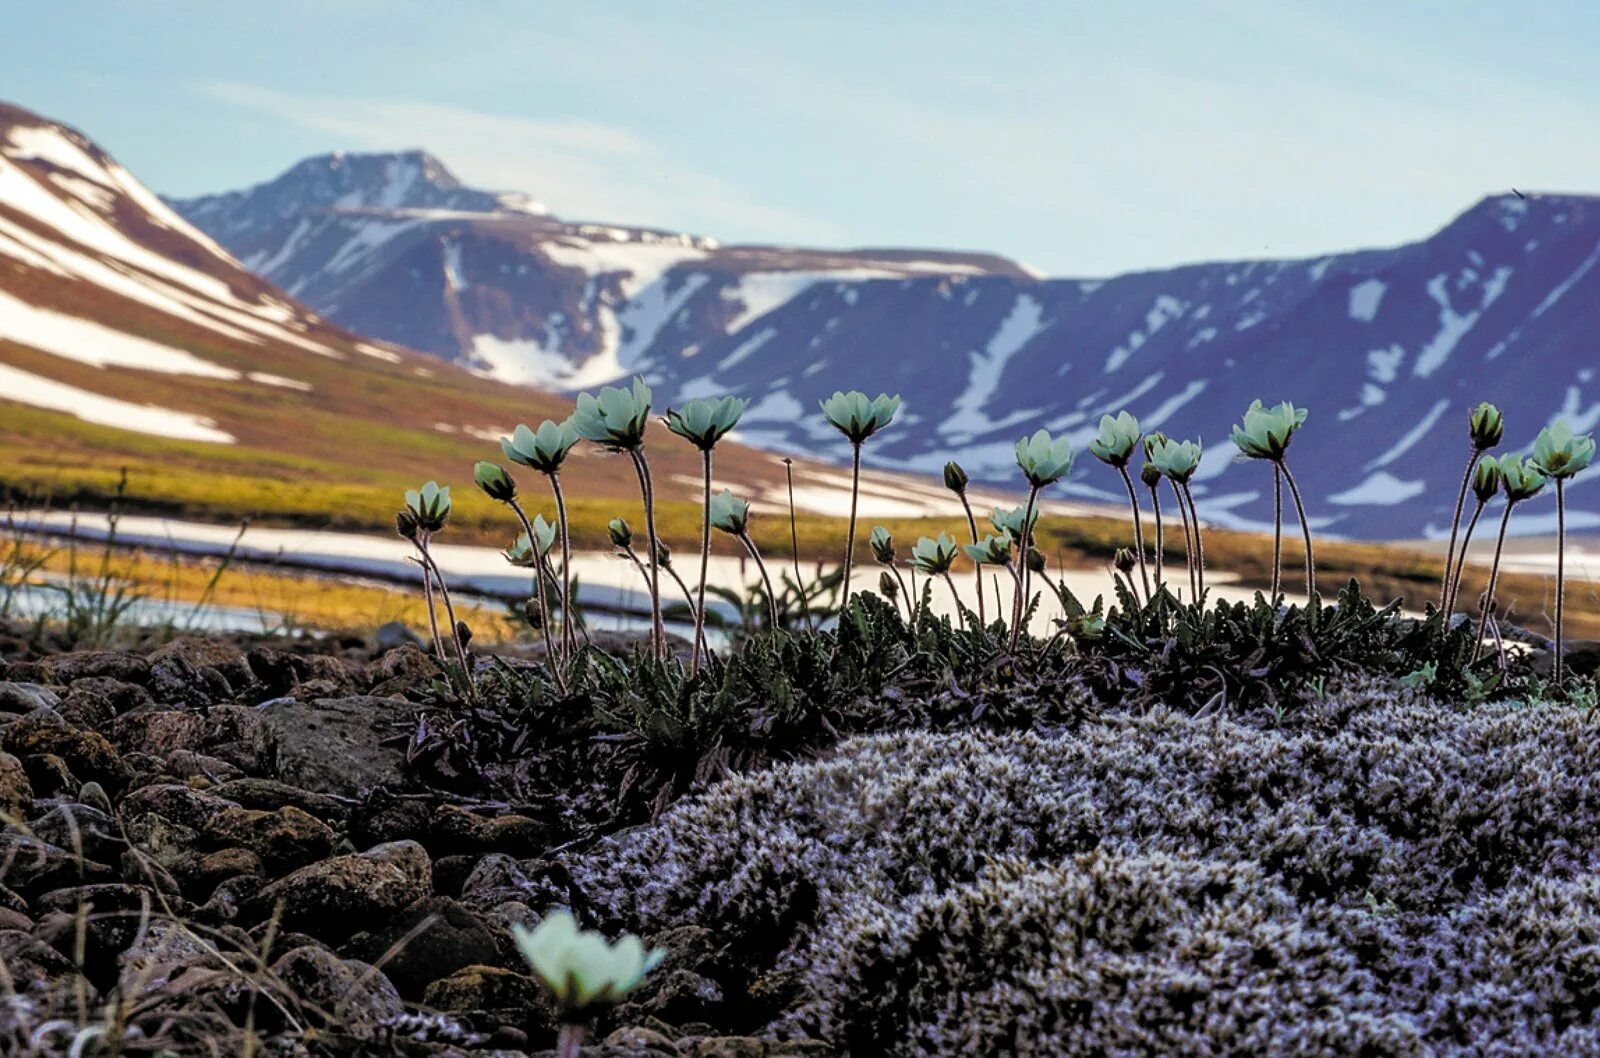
(580, 967)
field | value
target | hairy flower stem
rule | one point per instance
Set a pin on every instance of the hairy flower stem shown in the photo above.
(1138, 532)
(1199, 543)
(658, 637)
(1461, 562)
(772, 600)
(1161, 540)
(911, 610)
(553, 655)
(433, 618)
(449, 611)
(961, 614)
(1277, 532)
(1019, 608)
(1494, 579)
(688, 596)
(977, 569)
(1561, 570)
(1305, 529)
(1189, 541)
(794, 548)
(1446, 592)
(705, 562)
(570, 1041)
(850, 539)
(569, 622)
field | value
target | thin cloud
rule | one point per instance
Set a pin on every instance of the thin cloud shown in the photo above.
(580, 169)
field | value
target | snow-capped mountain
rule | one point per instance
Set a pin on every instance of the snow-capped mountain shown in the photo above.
(1389, 348)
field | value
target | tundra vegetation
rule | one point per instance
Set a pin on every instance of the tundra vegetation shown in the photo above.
(864, 823)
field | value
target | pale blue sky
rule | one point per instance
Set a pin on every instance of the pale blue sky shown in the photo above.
(1081, 138)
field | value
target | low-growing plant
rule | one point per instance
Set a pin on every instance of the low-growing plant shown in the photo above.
(582, 971)
(1265, 433)
(1119, 439)
(1559, 455)
(546, 450)
(1485, 428)
(857, 417)
(703, 423)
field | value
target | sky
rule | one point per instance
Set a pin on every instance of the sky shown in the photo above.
(1083, 139)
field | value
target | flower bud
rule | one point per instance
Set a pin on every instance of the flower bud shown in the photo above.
(1486, 426)
(1486, 480)
(405, 523)
(955, 479)
(882, 545)
(1123, 560)
(663, 555)
(495, 481)
(1150, 474)
(621, 533)
(1036, 563)
(887, 585)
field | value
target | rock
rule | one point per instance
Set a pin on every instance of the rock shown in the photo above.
(333, 745)
(496, 879)
(355, 997)
(187, 764)
(675, 997)
(158, 731)
(270, 794)
(387, 819)
(341, 895)
(163, 950)
(458, 830)
(116, 664)
(393, 635)
(49, 775)
(205, 873)
(16, 792)
(34, 866)
(511, 996)
(754, 1047)
(25, 697)
(637, 1040)
(81, 829)
(89, 755)
(32, 964)
(163, 841)
(207, 652)
(440, 937)
(181, 804)
(284, 839)
(94, 700)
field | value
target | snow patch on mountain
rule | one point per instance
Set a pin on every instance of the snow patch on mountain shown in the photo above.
(1365, 297)
(968, 418)
(24, 387)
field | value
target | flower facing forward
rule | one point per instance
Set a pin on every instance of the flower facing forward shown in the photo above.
(544, 449)
(1558, 454)
(1521, 478)
(1009, 520)
(495, 481)
(526, 551)
(955, 478)
(1044, 461)
(1265, 432)
(1118, 440)
(429, 506)
(615, 419)
(858, 417)
(729, 514)
(1178, 460)
(882, 545)
(1486, 426)
(934, 555)
(1486, 480)
(704, 422)
(621, 533)
(992, 550)
(581, 968)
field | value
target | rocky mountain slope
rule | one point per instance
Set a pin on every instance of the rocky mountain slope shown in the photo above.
(128, 339)
(1388, 347)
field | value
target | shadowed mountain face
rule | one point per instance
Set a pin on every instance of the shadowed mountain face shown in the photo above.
(1389, 348)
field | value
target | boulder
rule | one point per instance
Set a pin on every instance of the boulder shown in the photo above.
(333, 745)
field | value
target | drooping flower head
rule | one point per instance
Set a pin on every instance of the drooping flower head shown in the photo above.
(616, 419)
(729, 514)
(1118, 440)
(581, 968)
(992, 550)
(1178, 460)
(1558, 454)
(1265, 432)
(1521, 478)
(882, 545)
(1123, 561)
(1044, 461)
(857, 416)
(955, 478)
(525, 552)
(621, 533)
(544, 449)
(495, 481)
(1150, 474)
(1486, 426)
(429, 505)
(934, 555)
(704, 422)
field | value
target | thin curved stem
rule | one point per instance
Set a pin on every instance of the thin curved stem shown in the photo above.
(772, 600)
(658, 635)
(552, 655)
(850, 539)
(1161, 541)
(911, 609)
(1445, 592)
(1461, 561)
(1277, 532)
(705, 563)
(569, 621)
(1188, 540)
(1561, 570)
(1494, 580)
(1019, 609)
(794, 548)
(1138, 531)
(427, 598)
(1305, 530)
(977, 568)
(450, 613)
(570, 1041)
(961, 614)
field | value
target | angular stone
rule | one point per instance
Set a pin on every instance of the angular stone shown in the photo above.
(334, 745)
